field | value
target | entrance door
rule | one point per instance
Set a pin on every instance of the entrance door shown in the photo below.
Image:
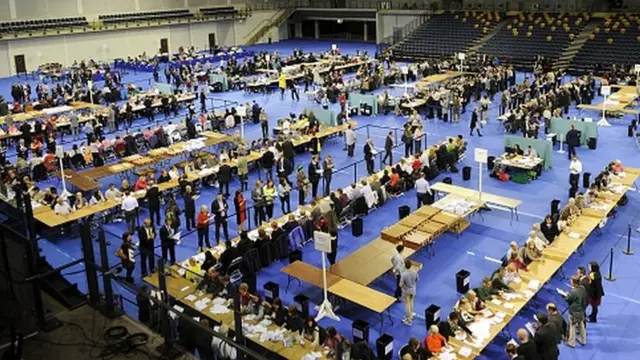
(164, 45)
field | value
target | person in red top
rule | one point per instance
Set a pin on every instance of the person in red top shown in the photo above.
(203, 227)
(141, 184)
(434, 342)
(36, 146)
(342, 98)
(394, 182)
(50, 161)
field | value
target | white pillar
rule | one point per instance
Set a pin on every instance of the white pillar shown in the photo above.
(317, 29)
(366, 27)
(137, 4)
(79, 7)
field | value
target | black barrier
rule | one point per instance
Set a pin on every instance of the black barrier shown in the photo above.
(628, 250)
(610, 276)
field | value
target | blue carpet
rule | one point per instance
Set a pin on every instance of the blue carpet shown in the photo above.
(614, 337)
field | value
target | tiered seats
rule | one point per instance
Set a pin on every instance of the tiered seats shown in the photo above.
(616, 40)
(146, 16)
(526, 37)
(218, 12)
(446, 34)
(41, 25)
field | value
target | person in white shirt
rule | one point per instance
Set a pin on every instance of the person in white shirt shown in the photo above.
(174, 174)
(531, 152)
(130, 208)
(62, 207)
(424, 159)
(397, 261)
(575, 169)
(424, 193)
(113, 193)
(222, 348)
(350, 139)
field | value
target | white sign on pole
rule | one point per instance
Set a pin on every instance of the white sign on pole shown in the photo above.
(405, 70)
(605, 90)
(461, 56)
(480, 155)
(334, 47)
(636, 68)
(60, 151)
(322, 241)
(242, 110)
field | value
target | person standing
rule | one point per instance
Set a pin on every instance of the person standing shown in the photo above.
(264, 123)
(243, 173)
(189, 208)
(334, 247)
(147, 236)
(203, 228)
(288, 152)
(577, 301)
(220, 209)
(572, 140)
(314, 172)
(258, 203)
(575, 169)
(408, 282)
(284, 192)
(474, 124)
(388, 149)
(327, 172)
(407, 139)
(417, 139)
(130, 208)
(527, 348)
(397, 263)
(224, 177)
(369, 153)
(423, 190)
(269, 192)
(73, 123)
(240, 204)
(302, 183)
(203, 101)
(153, 201)
(545, 339)
(167, 241)
(555, 317)
(350, 139)
(126, 254)
(596, 291)
(282, 84)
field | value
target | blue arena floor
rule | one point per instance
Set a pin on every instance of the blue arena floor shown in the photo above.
(478, 249)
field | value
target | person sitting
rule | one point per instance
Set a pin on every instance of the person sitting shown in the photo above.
(486, 291)
(569, 213)
(332, 339)
(294, 322)
(549, 228)
(209, 261)
(529, 253)
(276, 311)
(435, 342)
(466, 310)
(517, 261)
(211, 283)
(394, 187)
(193, 270)
(453, 326)
(310, 331)
(530, 152)
(226, 258)
(141, 184)
(415, 351)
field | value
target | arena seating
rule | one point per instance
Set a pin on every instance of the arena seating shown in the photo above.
(146, 16)
(527, 36)
(615, 40)
(41, 25)
(445, 34)
(218, 12)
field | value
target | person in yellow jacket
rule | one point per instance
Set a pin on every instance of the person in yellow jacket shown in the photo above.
(270, 193)
(282, 84)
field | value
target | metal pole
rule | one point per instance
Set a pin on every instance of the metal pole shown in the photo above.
(610, 276)
(628, 250)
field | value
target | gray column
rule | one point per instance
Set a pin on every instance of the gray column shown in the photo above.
(317, 29)
(366, 27)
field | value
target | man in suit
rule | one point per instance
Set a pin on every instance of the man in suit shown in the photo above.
(220, 207)
(314, 175)
(572, 140)
(388, 149)
(545, 339)
(167, 241)
(288, 152)
(153, 201)
(555, 317)
(146, 235)
(189, 208)
(512, 352)
(368, 156)
(224, 177)
(527, 349)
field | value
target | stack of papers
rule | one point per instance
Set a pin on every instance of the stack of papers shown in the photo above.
(465, 351)
(202, 303)
(312, 355)
(496, 302)
(191, 298)
(219, 309)
(574, 235)
(456, 206)
(534, 284)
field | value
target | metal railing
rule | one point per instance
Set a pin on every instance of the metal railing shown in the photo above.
(399, 35)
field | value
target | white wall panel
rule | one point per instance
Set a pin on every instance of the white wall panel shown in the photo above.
(249, 26)
(200, 34)
(151, 5)
(5, 62)
(61, 8)
(31, 9)
(198, 3)
(5, 10)
(38, 51)
(179, 36)
(225, 34)
(172, 4)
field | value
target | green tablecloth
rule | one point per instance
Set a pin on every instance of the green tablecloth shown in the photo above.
(562, 126)
(544, 148)
(355, 99)
(214, 78)
(164, 88)
(325, 116)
